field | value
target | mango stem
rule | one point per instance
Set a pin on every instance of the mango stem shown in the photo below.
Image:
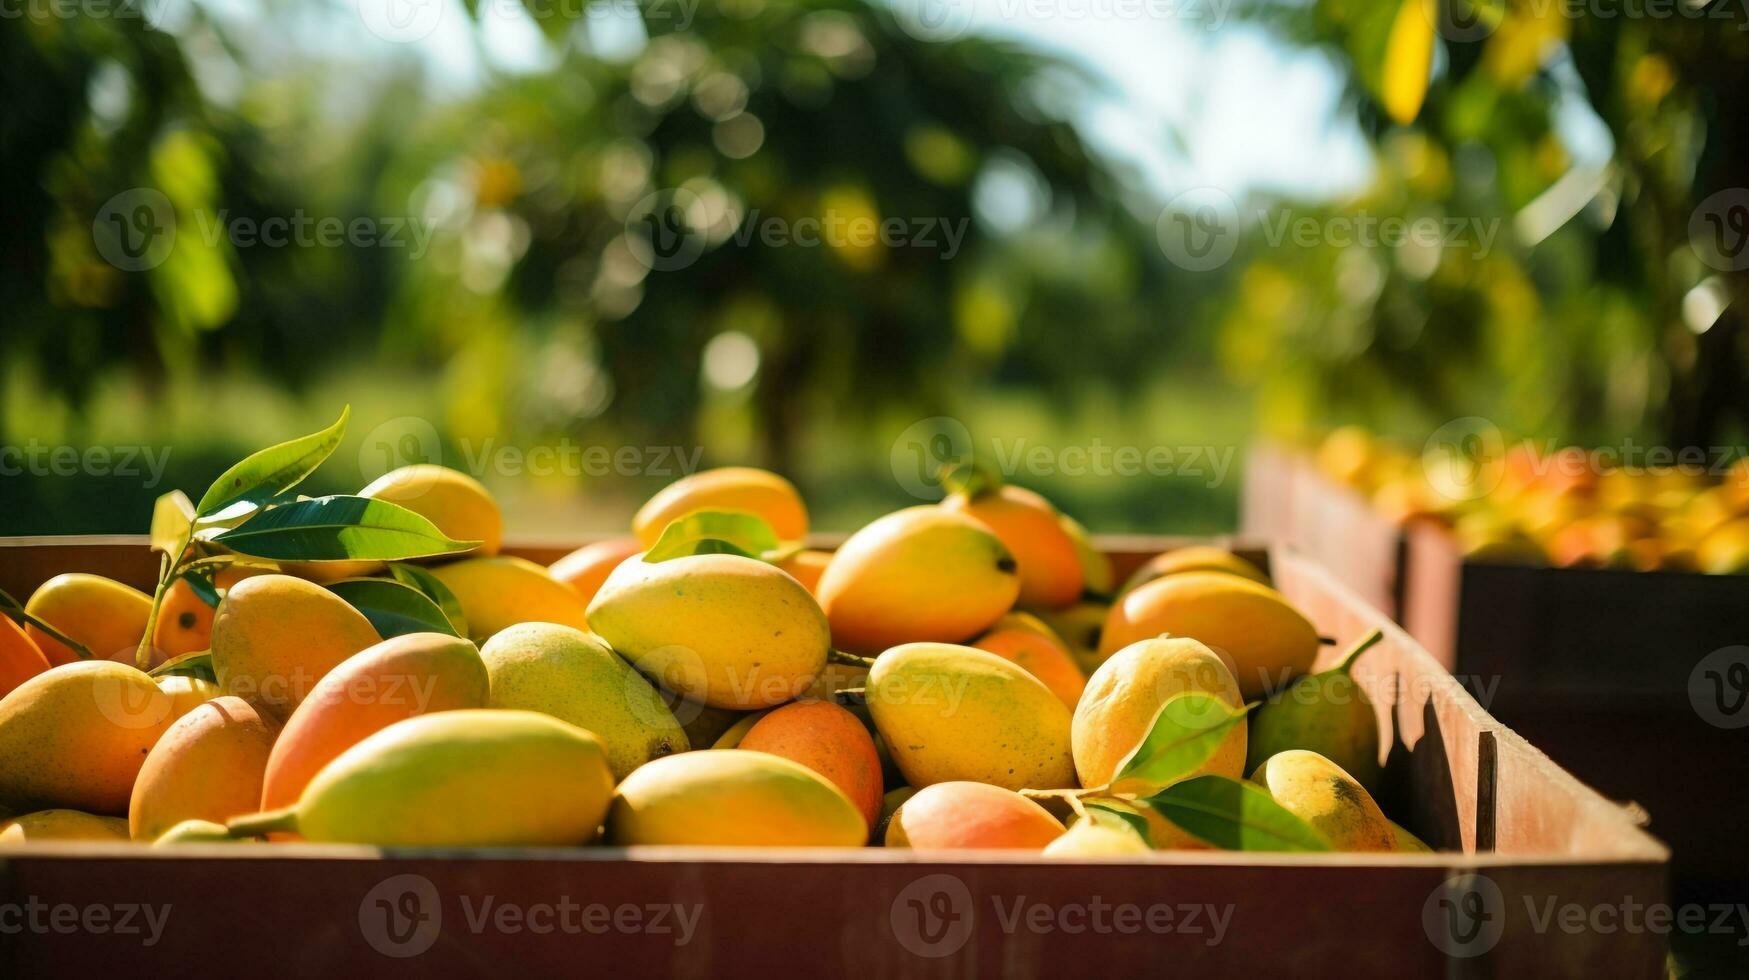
(265, 822)
(851, 697)
(849, 659)
(1361, 646)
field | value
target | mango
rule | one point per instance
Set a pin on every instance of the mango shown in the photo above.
(185, 621)
(1328, 713)
(1097, 575)
(1125, 694)
(1408, 843)
(1088, 838)
(733, 798)
(1031, 645)
(500, 591)
(890, 804)
(729, 631)
(207, 766)
(956, 816)
(75, 735)
(186, 693)
(829, 740)
(575, 677)
(1725, 551)
(920, 574)
(738, 488)
(585, 569)
(105, 616)
(807, 566)
(399, 678)
(1267, 639)
(455, 502)
(1030, 528)
(20, 658)
(702, 723)
(732, 736)
(48, 825)
(194, 831)
(1322, 794)
(1079, 626)
(951, 713)
(466, 778)
(1192, 558)
(275, 636)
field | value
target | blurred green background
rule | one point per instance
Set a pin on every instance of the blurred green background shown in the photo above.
(1120, 244)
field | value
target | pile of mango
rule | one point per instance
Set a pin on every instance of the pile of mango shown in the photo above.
(955, 675)
(1522, 503)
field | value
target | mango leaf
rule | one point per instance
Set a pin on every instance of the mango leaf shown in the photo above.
(172, 516)
(200, 580)
(197, 664)
(394, 608)
(12, 609)
(1235, 815)
(1408, 62)
(435, 590)
(266, 474)
(715, 532)
(1185, 732)
(339, 528)
(1113, 814)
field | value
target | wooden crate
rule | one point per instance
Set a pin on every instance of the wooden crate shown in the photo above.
(1522, 836)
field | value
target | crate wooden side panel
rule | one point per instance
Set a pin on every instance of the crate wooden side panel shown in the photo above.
(1334, 525)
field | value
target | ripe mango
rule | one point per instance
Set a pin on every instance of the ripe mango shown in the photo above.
(1323, 795)
(105, 616)
(952, 713)
(920, 574)
(734, 798)
(1193, 558)
(275, 636)
(20, 658)
(500, 591)
(586, 568)
(575, 677)
(467, 778)
(1408, 843)
(807, 566)
(74, 736)
(404, 676)
(46, 825)
(1126, 692)
(1328, 713)
(194, 831)
(1096, 572)
(206, 766)
(958, 815)
(1051, 573)
(729, 631)
(187, 693)
(454, 501)
(1088, 838)
(740, 488)
(829, 740)
(1079, 626)
(1026, 641)
(1266, 638)
(185, 621)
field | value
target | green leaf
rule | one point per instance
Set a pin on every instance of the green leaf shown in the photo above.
(1235, 815)
(1185, 732)
(339, 528)
(1101, 812)
(200, 581)
(715, 532)
(272, 471)
(435, 590)
(12, 609)
(197, 664)
(394, 608)
(172, 516)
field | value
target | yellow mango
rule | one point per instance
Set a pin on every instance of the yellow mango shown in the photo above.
(194, 831)
(1193, 558)
(455, 502)
(105, 616)
(186, 693)
(738, 488)
(1036, 649)
(729, 631)
(207, 766)
(74, 736)
(1268, 641)
(501, 590)
(957, 816)
(736, 798)
(1090, 839)
(1124, 695)
(1322, 794)
(919, 574)
(953, 713)
(275, 636)
(47, 825)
